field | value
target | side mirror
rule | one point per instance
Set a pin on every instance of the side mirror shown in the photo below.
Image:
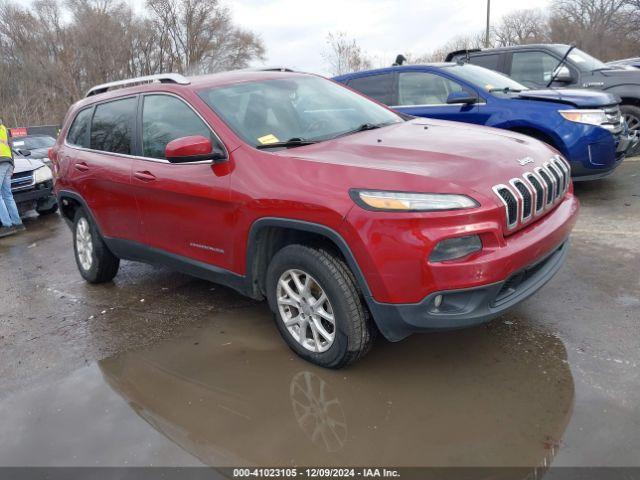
(563, 74)
(461, 97)
(195, 148)
(24, 152)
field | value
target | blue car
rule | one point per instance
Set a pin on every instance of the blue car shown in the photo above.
(586, 127)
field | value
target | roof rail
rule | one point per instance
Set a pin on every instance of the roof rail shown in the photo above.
(270, 69)
(161, 77)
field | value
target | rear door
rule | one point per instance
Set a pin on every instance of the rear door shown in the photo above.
(99, 157)
(184, 207)
(425, 94)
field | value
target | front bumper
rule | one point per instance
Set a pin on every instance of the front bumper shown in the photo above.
(467, 307)
(598, 168)
(36, 196)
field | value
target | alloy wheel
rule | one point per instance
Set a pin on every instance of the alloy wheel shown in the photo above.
(84, 244)
(306, 311)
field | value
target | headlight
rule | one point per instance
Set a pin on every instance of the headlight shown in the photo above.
(42, 174)
(411, 202)
(590, 117)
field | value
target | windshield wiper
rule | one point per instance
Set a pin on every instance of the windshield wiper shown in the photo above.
(556, 70)
(364, 127)
(292, 142)
(505, 90)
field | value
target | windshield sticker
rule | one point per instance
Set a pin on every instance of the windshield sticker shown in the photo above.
(18, 144)
(267, 139)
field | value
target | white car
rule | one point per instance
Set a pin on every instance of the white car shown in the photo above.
(31, 184)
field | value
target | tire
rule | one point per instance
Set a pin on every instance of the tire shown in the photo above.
(95, 261)
(631, 114)
(325, 273)
(48, 211)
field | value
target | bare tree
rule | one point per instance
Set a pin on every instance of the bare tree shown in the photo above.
(463, 42)
(521, 27)
(202, 37)
(51, 53)
(344, 55)
(597, 26)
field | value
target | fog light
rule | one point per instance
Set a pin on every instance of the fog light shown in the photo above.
(453, 248)
(437, 301)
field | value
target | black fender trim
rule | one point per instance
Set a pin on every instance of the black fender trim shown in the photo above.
(389, 324)
(62, 194)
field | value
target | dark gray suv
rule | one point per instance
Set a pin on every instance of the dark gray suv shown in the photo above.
(561, 66)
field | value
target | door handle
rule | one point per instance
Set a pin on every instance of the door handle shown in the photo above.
(145, 176)
(83, 167)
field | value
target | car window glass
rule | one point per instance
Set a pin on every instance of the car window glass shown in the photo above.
(296, 107)
(165, 118)
(486, 61)
(78, 133)
(378, 87)
(422, 88)
(112, 126)
(533, 67)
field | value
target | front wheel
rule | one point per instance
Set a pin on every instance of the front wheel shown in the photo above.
(631, 115)
(95, 261)
(317, 306)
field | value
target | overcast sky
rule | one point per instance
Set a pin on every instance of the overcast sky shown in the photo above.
(295, 31)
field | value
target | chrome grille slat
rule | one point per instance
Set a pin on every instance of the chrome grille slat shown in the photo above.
(526, 198)
(558, 179)
(511, 204)
(548, 184)
(535, 192)
(539, 190)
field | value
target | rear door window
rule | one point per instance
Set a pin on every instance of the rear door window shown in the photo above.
(112, 126)
(379, 87)
(78, 135)
(423, 88)
(165, 118)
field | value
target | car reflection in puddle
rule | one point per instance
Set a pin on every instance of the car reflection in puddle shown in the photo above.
(497, 395)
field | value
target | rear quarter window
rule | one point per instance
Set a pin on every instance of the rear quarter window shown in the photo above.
(112, 126)
(78, 135)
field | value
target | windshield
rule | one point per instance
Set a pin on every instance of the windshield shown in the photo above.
(31, 143)
(486, 79)
(584, 61)
(300, 107)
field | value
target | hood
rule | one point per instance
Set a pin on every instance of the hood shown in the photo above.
(576, 97)
(26, 164)
(40, 152)
(439, 155)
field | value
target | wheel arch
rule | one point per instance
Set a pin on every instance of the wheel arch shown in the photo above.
(270, 234)
(69, 203)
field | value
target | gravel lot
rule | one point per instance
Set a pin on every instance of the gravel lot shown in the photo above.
(159, 368)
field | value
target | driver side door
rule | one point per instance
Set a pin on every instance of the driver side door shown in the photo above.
(184, 207)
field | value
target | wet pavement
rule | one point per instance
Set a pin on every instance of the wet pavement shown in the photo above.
(158, 368)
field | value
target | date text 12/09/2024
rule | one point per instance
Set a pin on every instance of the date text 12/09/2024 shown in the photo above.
(368, 472)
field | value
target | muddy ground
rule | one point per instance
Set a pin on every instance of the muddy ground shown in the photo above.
(158, 368)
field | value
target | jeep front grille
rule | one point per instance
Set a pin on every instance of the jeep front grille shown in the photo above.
(536, 191)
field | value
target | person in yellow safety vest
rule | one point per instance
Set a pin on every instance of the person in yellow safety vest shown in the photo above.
(9, 215)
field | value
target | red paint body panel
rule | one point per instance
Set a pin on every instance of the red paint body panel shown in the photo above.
(205, 212)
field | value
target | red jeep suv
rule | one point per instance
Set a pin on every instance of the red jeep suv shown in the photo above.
(347, 217)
